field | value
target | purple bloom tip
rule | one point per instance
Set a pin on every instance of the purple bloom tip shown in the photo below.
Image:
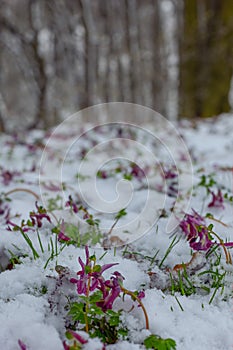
(22, 345)
(141, 294)
(217, 200)
(107, 266)
(63, 237)
(78, 337)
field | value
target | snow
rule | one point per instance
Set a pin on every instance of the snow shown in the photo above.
(28, 289)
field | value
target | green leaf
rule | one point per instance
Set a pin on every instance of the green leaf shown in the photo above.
(97, 268)
(128, 177)
(77, 312)
(29, 223)
(69, 336)
(121, 213)
(157, 343)
(95, 297)
(123, 332)
(114, 317)
(114, 321)
(96, 310)
(87, 269)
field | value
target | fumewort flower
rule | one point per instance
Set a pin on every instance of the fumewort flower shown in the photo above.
(4, 212)
(90, 276)
(61, 233)
(22, 345)
(138, 172)
(8, 176)
(90, 279)
(194, 227)
(36, 217)
(141, 294)
(217, 200)
(170, 173)
(70, 203)
(111, 289)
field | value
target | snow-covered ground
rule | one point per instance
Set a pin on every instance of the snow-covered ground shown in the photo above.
(63, 184)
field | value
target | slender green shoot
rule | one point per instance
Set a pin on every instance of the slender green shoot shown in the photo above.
(169, 249)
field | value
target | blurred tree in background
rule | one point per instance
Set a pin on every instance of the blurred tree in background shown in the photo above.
(59, 56)
(206, 57)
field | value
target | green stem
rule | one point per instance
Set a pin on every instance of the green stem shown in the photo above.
(87, 304)
(112, 227)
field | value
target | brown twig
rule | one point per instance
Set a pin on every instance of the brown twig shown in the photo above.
(219, 221)
(227, 254)
(126, 291)
(22, 190)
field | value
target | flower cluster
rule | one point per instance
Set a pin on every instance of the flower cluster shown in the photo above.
(61, 232)
(8, 176)
(90, 278)
(217, 200)
(71, 204)
(138, 172)
(169, 173)
(36, 217)
(35, 220)
(134, 171)
(4, 212)
(194, 227)
(111, 289)
(80, 209)
(170, 179)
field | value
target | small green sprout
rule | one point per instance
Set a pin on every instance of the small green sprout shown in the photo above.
(158, 343)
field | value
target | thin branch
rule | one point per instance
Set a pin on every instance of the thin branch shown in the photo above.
(22, 190)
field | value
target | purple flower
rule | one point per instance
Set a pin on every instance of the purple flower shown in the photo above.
(8, 176)
(90, 279)
(16, 227)
(170, 173)
(61, 235)
(86, 216)
(196, 231)
(65, 346)
(52, 187)
(141, 294)
(137, 171)
(22, 345)
(37, 217)
(217, 200)
(4, 212)
(228, 244)
(87, 274)
(112, 291)
(70, 203)
(102, 174)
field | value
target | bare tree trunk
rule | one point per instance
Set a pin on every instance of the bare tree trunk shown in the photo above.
(73, 54)
(134, 49)
(90, 48)
(159, 68)
(41, 110)
(3, 114)
(206, 52)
